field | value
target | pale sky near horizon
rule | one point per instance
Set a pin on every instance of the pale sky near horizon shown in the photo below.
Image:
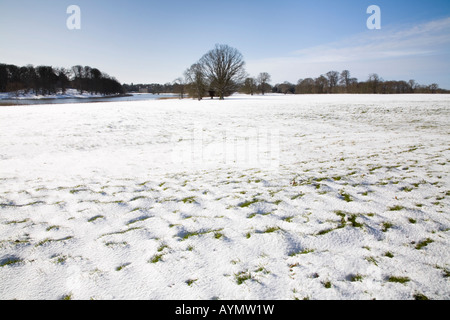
(155, 41)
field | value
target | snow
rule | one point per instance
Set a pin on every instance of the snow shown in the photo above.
(274, 197)
(69, 94)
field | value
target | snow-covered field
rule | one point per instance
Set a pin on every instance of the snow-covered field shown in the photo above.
(276, 197)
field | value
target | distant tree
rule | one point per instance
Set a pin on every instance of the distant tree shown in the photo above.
(320, 84)
(305, 86)
(412, 85)
(263, 80)
(47, 79)
(373, 82)
(197, 81)
(333, 80)
(3, 77)
(249, 86)
(346, 80)
(78, 73)
(286, 87)
(434, 87)
(63, 79)
(224, 68)
(28, 78)
(179, 85)
(15, 87)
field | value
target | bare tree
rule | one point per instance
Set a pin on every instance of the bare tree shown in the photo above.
(305, 86)
(434, 87)
(263, 80)
(373, 82)
(286, 87)
(249, 86)
(412, 85)
(179, 85)
(196, 79)
(345, 79)
(320, 84)
(224, 67)
(333, 79)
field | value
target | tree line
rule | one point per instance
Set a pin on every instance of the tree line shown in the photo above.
(46, 80)
(343, 82)
(196, 87)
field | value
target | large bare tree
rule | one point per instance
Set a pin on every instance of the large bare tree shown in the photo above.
(224, 67)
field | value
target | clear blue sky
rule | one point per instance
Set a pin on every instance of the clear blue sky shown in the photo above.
(155, 41)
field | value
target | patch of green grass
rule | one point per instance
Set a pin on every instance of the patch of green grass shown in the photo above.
(95, 218)
(218, 235)
(420, 296)
(446, 272)
(156, 258)
(372, 260)
(77, 190)
(345, 196)
(47, 240)
(386, 226)
(411, 220)
(248, 203)
(17, 221)
(402, 280)
(243, 276)
(51, 228)
(122, 266)
(255, 214)
(10, 261)
(327, 284)
(115, 244)
(396, 208)
(61, 259)
(190, 282)
(271, 229)
(424, 243)
(188, 200)
(199, 233)
(322, 232)
(355, 224)
(162, 247)
(389, 254)
(356, 277)
(137, 198)
(137, 220)
(341, 214)
(67, 297)
(120, 232)
(297, 196)
(304, 251)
